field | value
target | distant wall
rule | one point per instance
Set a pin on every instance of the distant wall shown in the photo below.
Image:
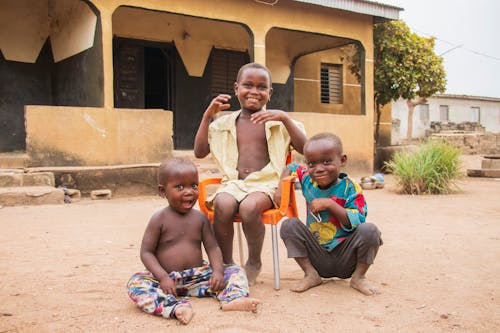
(459, 111)
(83, 136)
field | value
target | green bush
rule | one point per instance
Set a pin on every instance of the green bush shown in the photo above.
(432, 169)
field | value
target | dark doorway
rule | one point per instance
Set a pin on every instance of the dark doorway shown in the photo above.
(158, 78)
(144, 74)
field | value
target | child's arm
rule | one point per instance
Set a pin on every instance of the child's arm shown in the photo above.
(334, 208)
(297, 136)
(148, 257)
(351, 213)
(214, 257)
(201, 145)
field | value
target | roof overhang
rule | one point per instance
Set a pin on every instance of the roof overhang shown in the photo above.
(379, 11)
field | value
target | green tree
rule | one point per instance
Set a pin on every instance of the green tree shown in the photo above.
(405, 66)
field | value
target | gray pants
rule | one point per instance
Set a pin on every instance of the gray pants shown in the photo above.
(359, 247)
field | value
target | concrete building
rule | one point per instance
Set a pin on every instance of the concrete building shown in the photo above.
(446, 109)
(104, 82)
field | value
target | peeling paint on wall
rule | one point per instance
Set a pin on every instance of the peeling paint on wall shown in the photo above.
(88, 118)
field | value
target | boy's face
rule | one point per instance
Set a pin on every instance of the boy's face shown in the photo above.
(324, 162)
(181, 188)
(253, 89)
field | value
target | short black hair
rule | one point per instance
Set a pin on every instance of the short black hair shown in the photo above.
(171, 164)
(333, 138)
(253, 65)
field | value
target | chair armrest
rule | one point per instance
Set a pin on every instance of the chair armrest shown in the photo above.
(202, 190)
(287, 186)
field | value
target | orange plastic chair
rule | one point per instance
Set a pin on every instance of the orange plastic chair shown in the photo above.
(287, 208)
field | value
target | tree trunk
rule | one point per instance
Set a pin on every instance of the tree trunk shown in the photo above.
(411, 107)
(377, 124)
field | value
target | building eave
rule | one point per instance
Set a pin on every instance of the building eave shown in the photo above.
(467, 97)
(380, 11)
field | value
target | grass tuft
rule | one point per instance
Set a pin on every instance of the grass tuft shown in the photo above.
(432, 169)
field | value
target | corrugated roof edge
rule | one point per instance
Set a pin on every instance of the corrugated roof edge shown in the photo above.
(470, 97)
(376, 9)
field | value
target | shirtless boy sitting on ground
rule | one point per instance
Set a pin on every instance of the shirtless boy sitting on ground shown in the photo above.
(171, 252)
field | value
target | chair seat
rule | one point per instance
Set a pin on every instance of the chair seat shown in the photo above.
(287, 208)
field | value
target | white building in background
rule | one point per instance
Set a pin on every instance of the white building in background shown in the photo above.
(446, 109)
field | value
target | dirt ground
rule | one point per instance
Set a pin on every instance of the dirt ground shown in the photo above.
(63, 268)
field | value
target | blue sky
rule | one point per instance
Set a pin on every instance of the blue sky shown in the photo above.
(467, 36)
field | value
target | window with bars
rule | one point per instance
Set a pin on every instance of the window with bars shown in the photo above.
(225, 66)
(331, 84)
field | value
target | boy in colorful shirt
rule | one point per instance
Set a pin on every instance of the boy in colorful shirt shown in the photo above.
(336, 241)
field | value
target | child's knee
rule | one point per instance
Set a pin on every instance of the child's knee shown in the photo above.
(249, 210)
(225, 203)
(370, 233)
(289, 226)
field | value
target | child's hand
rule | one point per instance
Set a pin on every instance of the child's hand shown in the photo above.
(264, 116)
(168, 286)
(320, 204)
(219, 103)
(217, 281)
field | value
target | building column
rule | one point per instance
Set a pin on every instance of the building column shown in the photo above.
(107, 56)
(259, 46)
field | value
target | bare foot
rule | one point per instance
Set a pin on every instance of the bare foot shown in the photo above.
(241, 304)
(309, 281)
(184, 314)
(252, 272)
(362, 285)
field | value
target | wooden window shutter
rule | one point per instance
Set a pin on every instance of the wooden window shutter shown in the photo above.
(225, 66)
(331, 84)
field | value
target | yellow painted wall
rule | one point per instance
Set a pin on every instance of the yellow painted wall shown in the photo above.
(245, 22)
(70, 24)
(65, 136)
(280, 34)
(257, 17)
(357, 144)
(307, 85)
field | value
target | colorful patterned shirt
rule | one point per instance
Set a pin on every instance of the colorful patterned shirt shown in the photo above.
(348, 194)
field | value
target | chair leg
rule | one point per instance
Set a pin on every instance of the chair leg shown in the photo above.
(240, 244)
(276, 264)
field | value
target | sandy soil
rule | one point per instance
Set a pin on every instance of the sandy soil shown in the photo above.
(63, 268)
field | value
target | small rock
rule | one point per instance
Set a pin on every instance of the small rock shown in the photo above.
(100, 194)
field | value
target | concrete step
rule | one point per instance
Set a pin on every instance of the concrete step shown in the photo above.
(17, 177)
(488, 173)
(120, 180)
(31, 195)
(13, 160)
